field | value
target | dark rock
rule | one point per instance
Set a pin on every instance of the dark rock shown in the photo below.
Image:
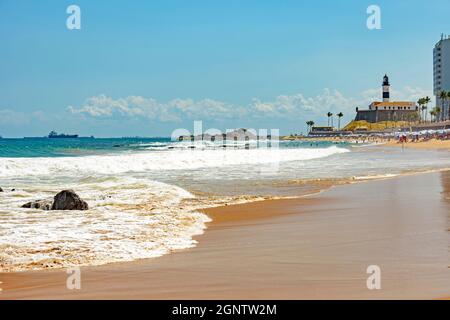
(68, 200)
(39, 204)
(13, 189)
(1, 190)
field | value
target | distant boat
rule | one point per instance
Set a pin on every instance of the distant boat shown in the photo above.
(54, 134)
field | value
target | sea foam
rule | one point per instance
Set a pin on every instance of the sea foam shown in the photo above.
(128, 219)
(180, 159)
(131, 216)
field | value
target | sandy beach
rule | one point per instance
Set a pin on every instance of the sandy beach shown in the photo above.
(432, 144)
(309, 248)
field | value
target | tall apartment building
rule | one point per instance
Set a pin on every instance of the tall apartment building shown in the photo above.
(441, 71)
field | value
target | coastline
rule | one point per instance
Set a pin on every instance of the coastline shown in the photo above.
(432, 144)
(306, 248)
(225, 152)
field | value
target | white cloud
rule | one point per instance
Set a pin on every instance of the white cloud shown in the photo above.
(283, 106)
(174, 110)
(298, 104)
(411, 94)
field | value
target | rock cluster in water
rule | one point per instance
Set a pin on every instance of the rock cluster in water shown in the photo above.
(68, 200)
(39, 204)
(64, 200)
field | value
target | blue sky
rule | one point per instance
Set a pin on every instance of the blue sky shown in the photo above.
(148, 67)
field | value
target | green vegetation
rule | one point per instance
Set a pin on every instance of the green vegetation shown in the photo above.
(423, 104)
(330, 115)
(310, 124)
(444, 96)
(340, 115)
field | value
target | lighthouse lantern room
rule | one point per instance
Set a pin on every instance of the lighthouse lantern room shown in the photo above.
(386, 87)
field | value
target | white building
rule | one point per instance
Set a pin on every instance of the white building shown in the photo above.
(394, 105)
(441, 71)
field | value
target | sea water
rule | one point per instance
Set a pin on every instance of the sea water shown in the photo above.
(145, 194)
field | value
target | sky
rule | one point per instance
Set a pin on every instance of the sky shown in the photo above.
(146, 68)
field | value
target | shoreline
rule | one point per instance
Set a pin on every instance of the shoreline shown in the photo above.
(431, 144)
(232, 238)
(320, 186)
(279, 188)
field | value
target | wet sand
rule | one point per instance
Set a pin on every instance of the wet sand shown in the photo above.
(311, 248)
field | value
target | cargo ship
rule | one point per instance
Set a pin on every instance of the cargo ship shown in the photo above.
(54, 134)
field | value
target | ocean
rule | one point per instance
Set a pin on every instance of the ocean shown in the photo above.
(145, 194)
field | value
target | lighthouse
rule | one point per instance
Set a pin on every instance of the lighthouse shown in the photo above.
(386, 86)
(388, 110)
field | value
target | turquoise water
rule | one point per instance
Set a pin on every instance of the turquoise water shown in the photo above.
(144, 194)
(45, 147)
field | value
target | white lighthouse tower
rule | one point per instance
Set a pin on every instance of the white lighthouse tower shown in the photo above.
(386, 87)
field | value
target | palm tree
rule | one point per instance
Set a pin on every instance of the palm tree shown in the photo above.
(340, 115)
(310, 125)
(427, 101)
(432, 114)
(437, 115)
(329, 115)
(424, 113)
(448, 108)
(421, 103)
(443, 96)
